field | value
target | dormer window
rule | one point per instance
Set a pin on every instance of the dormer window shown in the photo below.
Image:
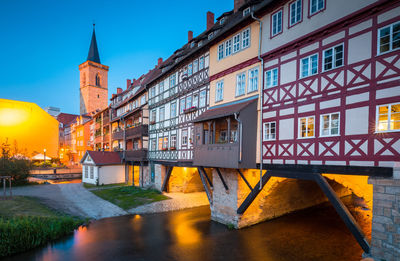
(246, 11)
(222, 20)
(191, 44)
(210, 35)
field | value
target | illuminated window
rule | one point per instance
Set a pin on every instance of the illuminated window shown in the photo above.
(388, 117)
(271, 78)
(276, 23)
(330, 124)
(269, 131)
(165, 143)
(333, 57)
(295, 12)
(306, 127)
(316, 5)
(160, 143)
(389, 38)
(309, 65)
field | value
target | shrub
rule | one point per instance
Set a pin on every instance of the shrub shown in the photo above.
(19, 234)
(10, 165)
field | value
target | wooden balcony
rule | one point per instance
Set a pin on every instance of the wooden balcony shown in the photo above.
(135, 155)
(224, 155)
(118, 135)
(141, 130)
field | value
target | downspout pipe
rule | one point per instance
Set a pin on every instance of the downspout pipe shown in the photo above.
(240, 136)
(261, 94)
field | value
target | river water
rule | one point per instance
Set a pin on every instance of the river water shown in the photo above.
(312, 234)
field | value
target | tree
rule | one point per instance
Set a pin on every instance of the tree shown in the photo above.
(17, 168)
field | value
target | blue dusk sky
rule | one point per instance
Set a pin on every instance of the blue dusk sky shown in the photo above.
(43, 42)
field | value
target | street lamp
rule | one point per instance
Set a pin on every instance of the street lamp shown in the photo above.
(44, 155)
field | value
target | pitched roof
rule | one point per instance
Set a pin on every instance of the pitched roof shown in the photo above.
(225, 110)
(66, 118)
(103, 157)
(93, 54)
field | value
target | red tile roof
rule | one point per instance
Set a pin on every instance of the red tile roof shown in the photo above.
(104, 157)
(66, 118)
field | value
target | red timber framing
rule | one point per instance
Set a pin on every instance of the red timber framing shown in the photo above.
(363, 83)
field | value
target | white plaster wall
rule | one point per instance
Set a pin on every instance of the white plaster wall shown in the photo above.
(111, 174)
(334, 11)
(360, 48)
(288, 72)
(357, 121)
(286, 129)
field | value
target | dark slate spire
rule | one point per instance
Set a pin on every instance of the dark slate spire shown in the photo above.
(93, 51)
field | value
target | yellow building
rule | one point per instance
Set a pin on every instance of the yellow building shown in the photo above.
(33, 129)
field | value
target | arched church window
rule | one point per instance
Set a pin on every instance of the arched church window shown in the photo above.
(97, 80)
(83, 78)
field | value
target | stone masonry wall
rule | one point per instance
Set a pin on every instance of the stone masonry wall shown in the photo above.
(385, 242)
(159, 174)
(186, 180)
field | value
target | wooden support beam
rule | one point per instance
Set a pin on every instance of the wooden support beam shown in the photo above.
(222, 179)
(208, 193)
(208, 179)
(343, 212)
(253, 194)
(245, 180)
(166, 178)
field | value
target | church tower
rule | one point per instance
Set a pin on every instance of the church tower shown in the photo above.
(93, 81)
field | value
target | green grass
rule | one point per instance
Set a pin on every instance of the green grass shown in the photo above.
(129, 197)
(91, 186)
(25, 223)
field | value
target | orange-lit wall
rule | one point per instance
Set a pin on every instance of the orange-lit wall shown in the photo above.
(28, 124)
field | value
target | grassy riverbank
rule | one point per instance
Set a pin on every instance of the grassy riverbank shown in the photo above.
(129, 197)
(25, 223)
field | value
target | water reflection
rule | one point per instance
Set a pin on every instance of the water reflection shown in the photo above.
(314, 234)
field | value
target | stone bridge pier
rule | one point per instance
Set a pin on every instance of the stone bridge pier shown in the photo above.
(236, 200)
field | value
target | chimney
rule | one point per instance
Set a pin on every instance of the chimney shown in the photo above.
(128, 83)
(159, 62)
(190, 36)
(119, 90)
(237, 4)
(210, 19)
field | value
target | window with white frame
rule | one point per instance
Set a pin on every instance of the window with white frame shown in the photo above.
(152, 92)
(201, 63)
(142, 100)
(153, 144)
(220, 51)
(190, 69)
(195, 66)
(246, 11)
(306, 127)
(333, 57)
(161, 115)
(184, 137)
(389, 38)
(236, 43)
(173, 141)
(316, 5)
(188, 102)
(271, 78)
(202, 101)
(153, 116)
(173, 109)
(86, 171)
(295, 11)
(269, 130)
(246, 38)
(182, 105)
(195, 100)
(219, 91)
(160, 143)
(228, 47)
(253, 80)
(91, 172)
(241, 84)
(309, 65)
(388, 117)
(330, 124)
(276, 23)
(165, 143)
(161, 87)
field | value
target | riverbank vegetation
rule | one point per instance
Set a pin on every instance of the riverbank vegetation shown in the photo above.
(128, 197)
(25, 223)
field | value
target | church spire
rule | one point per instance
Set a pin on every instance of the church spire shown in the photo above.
(93, 51)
